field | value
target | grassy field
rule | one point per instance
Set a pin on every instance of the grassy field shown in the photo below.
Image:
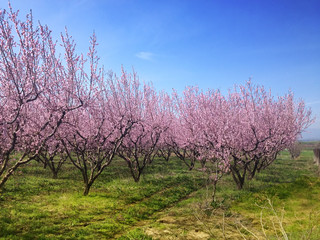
(169, 202)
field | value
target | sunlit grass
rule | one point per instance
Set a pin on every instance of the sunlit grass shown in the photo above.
(168, 203)
(33, 204)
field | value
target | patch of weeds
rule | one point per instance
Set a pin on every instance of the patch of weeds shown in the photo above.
(136, 234)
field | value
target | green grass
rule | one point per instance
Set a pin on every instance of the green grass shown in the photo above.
(35, 206)
(168, 203)
(292, 186)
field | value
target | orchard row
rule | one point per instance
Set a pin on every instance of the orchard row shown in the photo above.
(56, 107)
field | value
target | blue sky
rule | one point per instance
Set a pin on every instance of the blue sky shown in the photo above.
(212, 44)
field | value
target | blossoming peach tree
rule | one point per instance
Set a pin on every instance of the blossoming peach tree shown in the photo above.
(52, 107)
(36, 90)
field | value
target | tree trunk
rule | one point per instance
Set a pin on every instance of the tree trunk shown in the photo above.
(239, 181)
(86, 189)
(54, 174)
(8, 174)
(136, 174)
(54, 170)
(213, 196)
(236, 175)
(168, 155)
(252, 172)
(45, 164)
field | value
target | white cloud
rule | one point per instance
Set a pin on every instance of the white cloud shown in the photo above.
(311, 103)
(145, 55)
